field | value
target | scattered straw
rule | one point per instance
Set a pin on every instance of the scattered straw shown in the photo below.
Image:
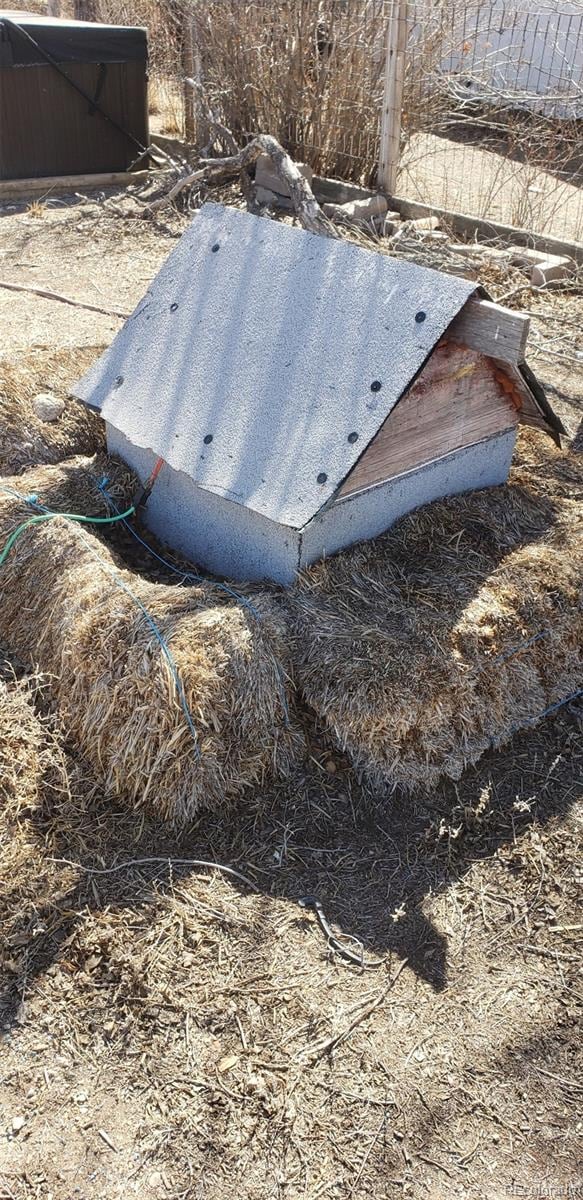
(23, 749)
(25, 439)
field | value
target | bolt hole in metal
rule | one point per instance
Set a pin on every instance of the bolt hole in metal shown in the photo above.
(322, 477)
(208, 439)
(173, 307)
(215, 247)
(352, 438)
(420, 317)
(376, 385)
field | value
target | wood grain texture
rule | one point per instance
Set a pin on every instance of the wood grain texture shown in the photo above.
(11, 189)
(457, 400)
(392, 107)
(48, 129)
(491, 329)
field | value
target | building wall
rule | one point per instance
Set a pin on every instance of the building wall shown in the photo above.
(527, 56)
(223, 537)
(234, 542)
(368, 513)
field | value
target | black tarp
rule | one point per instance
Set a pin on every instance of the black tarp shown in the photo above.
(67, 41)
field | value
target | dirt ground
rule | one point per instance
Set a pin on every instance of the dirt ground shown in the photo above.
(466, 178)
(169, 1032)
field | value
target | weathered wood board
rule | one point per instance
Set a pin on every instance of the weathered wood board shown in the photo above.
(455, 401)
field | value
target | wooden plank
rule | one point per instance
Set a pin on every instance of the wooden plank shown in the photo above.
(486, 230)
(190, 71)
(337, 192)
(390, 148)
(529, 412)
(491, 329)
(11, 189)
(456, 401)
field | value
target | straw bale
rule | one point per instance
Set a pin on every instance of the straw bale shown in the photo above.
(400, 644)
(22, 748)
(68, 605)
(24, 438)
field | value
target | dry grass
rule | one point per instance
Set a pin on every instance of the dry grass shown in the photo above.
(23, 749)
(411, 647)
(25, 439)
(68, 605)
(209, 1032)
(34, 773)
(184, 1017)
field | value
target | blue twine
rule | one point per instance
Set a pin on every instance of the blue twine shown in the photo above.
(547, 712)
(158, 635)
(192, 576)
(32, 500)
(559, 704)
(517, 649)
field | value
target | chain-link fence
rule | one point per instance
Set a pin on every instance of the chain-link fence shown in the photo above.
(492, 108)
(492, 104)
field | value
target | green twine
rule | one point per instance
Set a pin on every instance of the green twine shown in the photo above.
(48, 516)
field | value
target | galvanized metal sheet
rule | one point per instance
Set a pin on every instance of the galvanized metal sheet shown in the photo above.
(263, 359)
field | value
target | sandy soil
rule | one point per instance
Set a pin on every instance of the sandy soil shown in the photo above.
(69, 248)
(166, 1033)
(464, 178)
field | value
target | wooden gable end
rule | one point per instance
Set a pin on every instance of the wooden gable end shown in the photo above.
(459, 398)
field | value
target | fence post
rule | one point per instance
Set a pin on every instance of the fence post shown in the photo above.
(85, 10)
(396, 46)
(190, 70)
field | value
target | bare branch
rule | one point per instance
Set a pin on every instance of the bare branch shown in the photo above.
(304, 203)
(220, 131)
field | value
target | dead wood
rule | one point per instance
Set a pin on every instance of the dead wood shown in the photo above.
(216, 128)
(304, 203)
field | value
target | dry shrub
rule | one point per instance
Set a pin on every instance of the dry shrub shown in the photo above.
(308, 72)
(69, 606)
(411, 647)
(24, 438)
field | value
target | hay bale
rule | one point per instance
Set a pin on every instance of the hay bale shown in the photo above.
(23, 749)
(68, 605)
(25, 438)
(404, 645)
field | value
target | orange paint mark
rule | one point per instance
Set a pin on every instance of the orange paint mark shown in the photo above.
(467, 370)
(509, 388)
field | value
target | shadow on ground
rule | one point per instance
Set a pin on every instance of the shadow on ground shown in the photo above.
(372, 864)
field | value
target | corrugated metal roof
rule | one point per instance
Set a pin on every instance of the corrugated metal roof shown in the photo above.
(263, 359)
